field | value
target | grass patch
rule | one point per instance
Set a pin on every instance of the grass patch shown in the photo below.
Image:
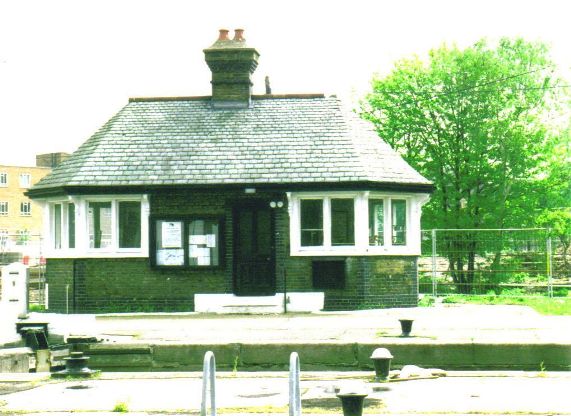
(325, 405)
(121, 407)
(543, 305)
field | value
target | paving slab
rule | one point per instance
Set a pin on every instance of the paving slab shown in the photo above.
(442, 323)
(249, 393)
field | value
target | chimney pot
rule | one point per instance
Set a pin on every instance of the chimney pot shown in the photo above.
(223, 34)
(239, 35)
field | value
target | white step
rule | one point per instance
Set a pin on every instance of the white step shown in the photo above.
(229, 303)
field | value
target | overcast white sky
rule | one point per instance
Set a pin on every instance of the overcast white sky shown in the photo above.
(66, 67)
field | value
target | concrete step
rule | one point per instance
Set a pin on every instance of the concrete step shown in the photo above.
(330, 356)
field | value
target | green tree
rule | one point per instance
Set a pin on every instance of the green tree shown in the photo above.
(559, 224)
(472, 121)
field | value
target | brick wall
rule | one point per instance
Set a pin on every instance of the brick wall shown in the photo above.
(97, 285)
(12, 193)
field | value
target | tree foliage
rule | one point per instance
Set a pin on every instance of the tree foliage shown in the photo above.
(477, 123)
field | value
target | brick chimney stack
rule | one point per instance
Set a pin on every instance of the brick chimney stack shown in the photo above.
(232, 63)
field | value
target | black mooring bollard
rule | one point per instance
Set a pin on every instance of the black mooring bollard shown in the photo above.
(382, 361)
(406, 326)
(352, 403)
(75, 366)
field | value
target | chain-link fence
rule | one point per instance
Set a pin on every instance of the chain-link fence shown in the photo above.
(28, 249)
(508, 262)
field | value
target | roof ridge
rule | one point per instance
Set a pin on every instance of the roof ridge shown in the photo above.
(207, 97)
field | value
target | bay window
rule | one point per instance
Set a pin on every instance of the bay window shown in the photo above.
(111, 225)
(355, 223)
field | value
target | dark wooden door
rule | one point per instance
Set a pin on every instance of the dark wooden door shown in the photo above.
(254, 270)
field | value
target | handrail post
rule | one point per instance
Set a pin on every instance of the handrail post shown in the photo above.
(208, 380)
(294, 391)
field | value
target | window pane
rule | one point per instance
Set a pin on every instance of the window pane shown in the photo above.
(25, 208)
(204, 243)
(376, 222)
(25, 180)
(399, 222)
(57, 226)
(99, 219)
(311, 222)
(71, 225)
(342, 222)
(170, 250)
(129, 224)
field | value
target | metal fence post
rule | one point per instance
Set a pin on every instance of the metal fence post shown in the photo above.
(208, 380)
(294, 391)
(549, 266)
(434, 285)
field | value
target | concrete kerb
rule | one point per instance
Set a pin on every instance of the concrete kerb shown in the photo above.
(328, 356)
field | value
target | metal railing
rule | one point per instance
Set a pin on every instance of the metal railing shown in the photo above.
(209, 385)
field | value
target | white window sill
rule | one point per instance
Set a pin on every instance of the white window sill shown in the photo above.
(95, 254)
(354, 251)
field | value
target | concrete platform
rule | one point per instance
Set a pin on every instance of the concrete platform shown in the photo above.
(267, 393)
(448, 337)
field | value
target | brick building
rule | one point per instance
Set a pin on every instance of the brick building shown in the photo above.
(233, 201)
(21, 218)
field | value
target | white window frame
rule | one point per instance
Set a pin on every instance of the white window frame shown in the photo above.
(5, 208)
(82, 248)
(64, 225)
(3, 179)
(25, 180)
(25, 209)
(414, 203)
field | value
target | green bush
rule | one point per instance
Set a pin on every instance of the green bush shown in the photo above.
(560, 292)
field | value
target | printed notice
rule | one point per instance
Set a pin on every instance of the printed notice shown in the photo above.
(197, 239)
(171, 234)
(210, 240)
(170, 257)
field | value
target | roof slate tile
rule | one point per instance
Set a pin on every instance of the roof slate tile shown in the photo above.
(186, 142)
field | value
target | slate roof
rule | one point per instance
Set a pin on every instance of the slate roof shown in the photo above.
(308, 139)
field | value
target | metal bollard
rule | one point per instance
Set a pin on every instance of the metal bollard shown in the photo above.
(352, 403)
(75, 366)
(406, 326)
(382, 361)
(294, 390)
(208, 379)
